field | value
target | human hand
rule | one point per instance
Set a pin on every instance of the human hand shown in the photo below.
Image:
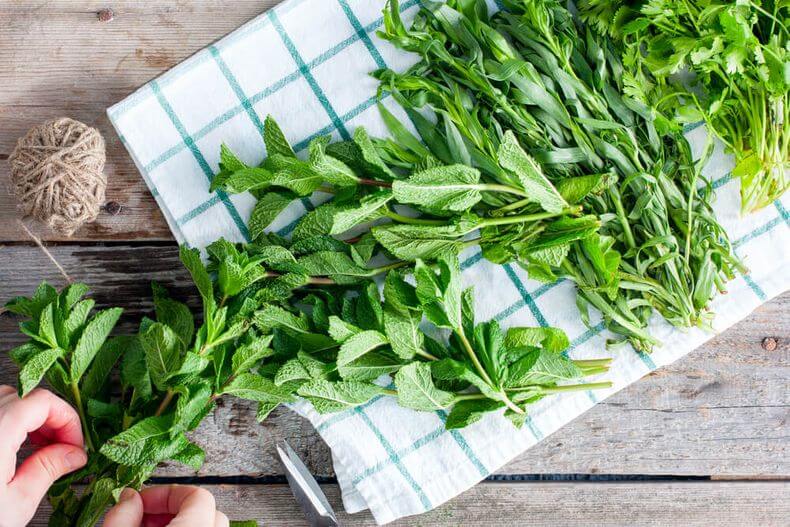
(169, 505)
(54, 427)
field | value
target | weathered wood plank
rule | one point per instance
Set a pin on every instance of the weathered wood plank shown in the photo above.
(539, 503)
(84, 66)
(723, 410)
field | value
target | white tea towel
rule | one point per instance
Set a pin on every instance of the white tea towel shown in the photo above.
(307, 63)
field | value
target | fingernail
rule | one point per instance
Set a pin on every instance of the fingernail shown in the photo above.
(127, 494)
(76, 459)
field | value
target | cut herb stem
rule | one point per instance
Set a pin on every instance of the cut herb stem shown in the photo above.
(576, 387)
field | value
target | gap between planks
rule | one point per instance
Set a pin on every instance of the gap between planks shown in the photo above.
(539, 503)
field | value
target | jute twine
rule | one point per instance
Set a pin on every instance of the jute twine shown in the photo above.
(57, 174)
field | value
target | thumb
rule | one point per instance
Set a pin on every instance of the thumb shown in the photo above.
(128, 512)
(38, 472)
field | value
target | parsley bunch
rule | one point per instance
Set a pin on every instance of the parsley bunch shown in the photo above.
(739, 53)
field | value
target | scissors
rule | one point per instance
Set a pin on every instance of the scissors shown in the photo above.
(306, 490)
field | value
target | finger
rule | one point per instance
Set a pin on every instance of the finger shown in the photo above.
(192, 506)
(128, 512)
(157, 520)
(38, 472)
(7, 394)
(39, 409)
(6, 390)
(220, 520)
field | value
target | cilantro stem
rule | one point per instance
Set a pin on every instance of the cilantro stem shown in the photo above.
(411, 221)
(75, 391)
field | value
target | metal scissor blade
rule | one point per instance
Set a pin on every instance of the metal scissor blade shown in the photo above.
(306, 490)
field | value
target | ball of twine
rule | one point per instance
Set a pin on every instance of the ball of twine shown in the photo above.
(57, 174)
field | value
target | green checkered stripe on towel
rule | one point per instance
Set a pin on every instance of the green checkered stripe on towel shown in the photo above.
(307, 63)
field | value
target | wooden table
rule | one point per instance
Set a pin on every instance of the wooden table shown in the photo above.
(702, 442)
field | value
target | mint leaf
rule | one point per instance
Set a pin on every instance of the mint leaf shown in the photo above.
(341, 330)
(162, 349)
(91, 340)
(358, 345)
(130, 446)
(100, 370)
(256, 388)
(191, 260)
(334, 171)
(550, 339)
(272, 316)
(248, 355)
(512, 157)
(266, 211)
(176, 315)
(409, 242)
(369, 367)
(441, 189)
(417, 391)
(192, 405)
(368, 209)
(338, 266)
(328, 397)
(465, 413)
(274, 139)
(35, 367)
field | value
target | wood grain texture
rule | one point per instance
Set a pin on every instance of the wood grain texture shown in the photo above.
(722, 410)
(538, 503)
(57, 59)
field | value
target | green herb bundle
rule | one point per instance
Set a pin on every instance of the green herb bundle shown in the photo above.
(280, 321)
(561, 91)
(739, 53)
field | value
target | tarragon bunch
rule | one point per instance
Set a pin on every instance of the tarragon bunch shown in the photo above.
(531, 70)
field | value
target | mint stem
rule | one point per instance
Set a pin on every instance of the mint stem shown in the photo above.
(165, 402)
(374, 183)
(75, 391)
(507, 220)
